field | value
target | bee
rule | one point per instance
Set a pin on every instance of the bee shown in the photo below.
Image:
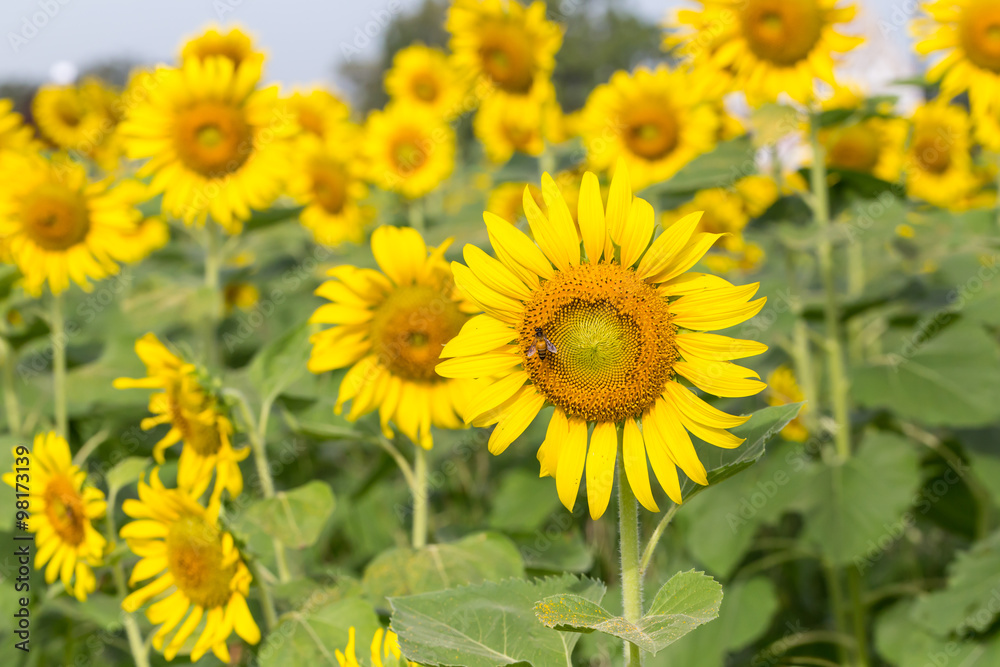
(541, 345)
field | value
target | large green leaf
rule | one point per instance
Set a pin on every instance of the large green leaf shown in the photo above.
(312, 633)
(904, 643)
(295, 517)
(952, 379)
(488, 625)
(278, 363)
(688, 600)
(971, 600)
(858, 509)
(471, 560)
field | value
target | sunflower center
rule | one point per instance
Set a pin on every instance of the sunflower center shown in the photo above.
(411, 327)
(855, 147)
(517, 135)
(202, 437)
(505, 54)
(651, 132)
(55, 216)
(408, 154)
(613, 337)
(196, 561)
(213, 138)
(425, 87)
(69, 114)
(931, 155)
(330, 186)
(979, 33)
(782, 31)
(64, 509)
(311, 121)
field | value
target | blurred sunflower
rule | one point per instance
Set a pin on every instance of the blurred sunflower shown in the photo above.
(424, 76)
(508, 126)
(71, 118)
(235, 46)
(317, 111)
(986, 124)
(649, 118)
(240, 295)
(771, 46)
(327, 182)
(390, 327)
(723, 212)
(872, 146)
(146, 238)
(195, 417)
(937, 164)
(782, 389)
(758, 193)
(57, 226)
(384, 651)
(695, 37)
(200, 570)
(14, 134)
(62, 511)
(622, 331)
(407, 149)
(215, 144)
(511, 46)
(967, 33)
(505, 200)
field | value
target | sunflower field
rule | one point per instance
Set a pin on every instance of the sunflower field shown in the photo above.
(567, 340)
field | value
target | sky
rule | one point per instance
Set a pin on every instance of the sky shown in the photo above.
(45, 39)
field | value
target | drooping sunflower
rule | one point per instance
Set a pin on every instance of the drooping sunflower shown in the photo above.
(967, 35)
(317, 111)
(407, 149)
(938, 165)
(505, 200)
(61, 512)
(390, 327)
(508, 126)
(14, 134)
(384, 651)
(198, 569)
(624, 318)
(511, 46)
(770, 46)
(235, 46)
(782, 389)
(652, 120)
(327, 180)
(723, 212)
(215, 144)
(425, 76)
(58, 226)
(196, 419)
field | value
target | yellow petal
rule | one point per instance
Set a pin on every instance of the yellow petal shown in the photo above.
(637, 233)
(660, 458)
(492, 302)
(494, 395)
(480, 334)
(710, 310)
(636, 470)
(571, 460)
(619, 202)
(335, 313)
(668, 245)
(720, 378)
(517, 251)
(520, 411)
(400, 252)
(590, 213)
(717, 348)
(601, 467)
(243, 621)
(494, 274)
(668, 424)
(700, 411)
(557, 242)
(480, 365)
(555, 438)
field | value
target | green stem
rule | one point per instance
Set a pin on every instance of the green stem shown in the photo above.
(824, 249)
(837, 602)
(266, 601)
(647, 554)
(801, 352)
(855, 287)
(400, 460)
(415, 213)
(213, 268)
(420, 497)
(11, 404)
(855, 586)
(57, 327)
(628, 542)
(546, 161)
(140, 652)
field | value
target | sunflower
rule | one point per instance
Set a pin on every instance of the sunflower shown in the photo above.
(327, 182)
(758, 193)
(938, 165)
(244, 296)
(723, 213)
(56, 225)
(967, 33)
(424, 76)
(384, 650)
(770, 46)
(148, 236)
(216, 145)
(200, 570)
(195, 418)
(622, 331)
(505, 200)
(14, 134)
(508, 126)
(408, 149)
(783, 389)
(390, 328)
(317, 111)
(511, 46)
(61, 511)
(235, 46)
(985, 120)
(72, 118)
(696, 44)
(649, 118)
(872, 146)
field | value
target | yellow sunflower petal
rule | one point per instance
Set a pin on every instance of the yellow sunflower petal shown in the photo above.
(572, 457)
(480, 334)
(636, 470)
(601, 467)
(521, 409)
(591, 216)
(480, 365)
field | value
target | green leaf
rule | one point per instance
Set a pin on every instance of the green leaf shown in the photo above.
(312, 633)
(952, 379)
(722, 464)
(971, 600)
(904, 643)
(729, 161)
(278, 363)
(488, 625)
(859, 508)
(471, 560)
(688, 600)
(521, 503)
(272, 216)
(295, 517)
(125, 472)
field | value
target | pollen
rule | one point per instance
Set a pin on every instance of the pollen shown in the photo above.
(614, 342)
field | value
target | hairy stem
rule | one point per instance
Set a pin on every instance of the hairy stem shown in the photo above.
(419, 489)
(57, 327)
(628, 542)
